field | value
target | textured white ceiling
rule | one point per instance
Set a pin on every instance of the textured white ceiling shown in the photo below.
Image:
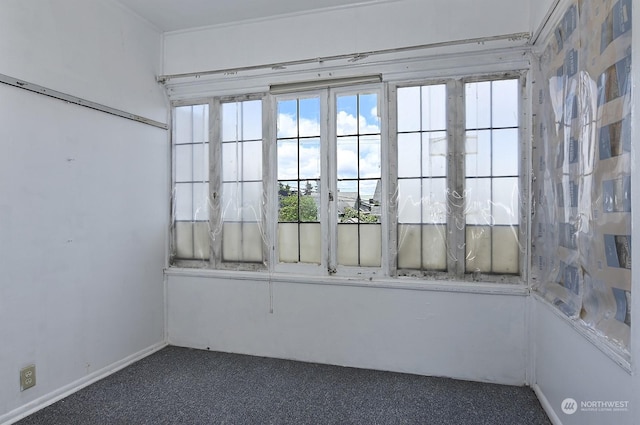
(171, 15)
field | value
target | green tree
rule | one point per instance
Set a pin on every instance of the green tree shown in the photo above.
(308, 210)
(363, 217)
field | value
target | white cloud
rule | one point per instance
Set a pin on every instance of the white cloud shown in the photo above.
(347, 154)
(287, 126)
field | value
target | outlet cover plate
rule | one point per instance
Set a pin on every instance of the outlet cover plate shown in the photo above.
(27, 377)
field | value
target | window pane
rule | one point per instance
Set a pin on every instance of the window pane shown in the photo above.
(230, 160)
(478, 105)
(505, 152)
(310, 243)
(310, 117)
(434, 247)
(201, 162)
(408, 157)
(478, 153)
(478, 201)
(251, 119)
(409, 201)
(478, 249)
(505, 250)
(370, 157)
(309, 162)
(347, 115)
(504, 102)
(288, 192)
(410, 246)
(287, 159)
(368, 114)
(230, 130)
(183, 163)
(184, 239)
(434, 200)
(505, 201)
(434, 154)
(183, 201)
(201, 244)
(184, 125)
(200, 123)
(288, 249)
(347, 156)
(409, 109)
(287, 118)
(370, 245)
(348, 244)
(251, 160)
(434, 107)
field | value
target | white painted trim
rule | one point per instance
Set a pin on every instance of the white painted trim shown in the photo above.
(56, 395)
(617, 354)
(406, 283)
(546, 405)
(35, 88)
(448, 64)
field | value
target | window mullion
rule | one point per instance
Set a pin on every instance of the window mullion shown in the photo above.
(215, 192)
(329, 178)
(390, 196)
(269, 181)
(455, 177)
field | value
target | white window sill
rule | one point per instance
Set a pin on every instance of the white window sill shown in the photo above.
(407, 283)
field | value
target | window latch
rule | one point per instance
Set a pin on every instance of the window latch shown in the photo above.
(330, 196)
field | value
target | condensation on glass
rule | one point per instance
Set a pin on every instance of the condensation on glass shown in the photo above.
(298, 173)
(242, 188)
(191, 182)
(358, 174)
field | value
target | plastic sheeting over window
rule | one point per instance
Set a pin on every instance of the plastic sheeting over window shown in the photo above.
(581, 229)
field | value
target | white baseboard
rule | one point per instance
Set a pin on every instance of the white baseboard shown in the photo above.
(551, 413)
(48, 399)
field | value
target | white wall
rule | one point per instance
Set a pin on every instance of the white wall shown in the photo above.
(567, 365)
(83, 205)
(342, 31)
(462, 335)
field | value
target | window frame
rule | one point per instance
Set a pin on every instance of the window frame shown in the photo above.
(455, 175)
(387, 101)
(215, 185)
(173, 260)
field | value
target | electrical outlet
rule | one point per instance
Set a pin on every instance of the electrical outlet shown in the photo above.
(27, 377)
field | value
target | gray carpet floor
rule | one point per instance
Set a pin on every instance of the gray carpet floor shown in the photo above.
(185, 386)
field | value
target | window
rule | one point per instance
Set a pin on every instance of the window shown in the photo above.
(346, 181)
(299, 167)
(240, 207)
(444, 203)
(328, 170)
(492, 177)
(422, 177)
(191, 182)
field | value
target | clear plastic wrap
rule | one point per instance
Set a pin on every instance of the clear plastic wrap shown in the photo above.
(581, 258)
